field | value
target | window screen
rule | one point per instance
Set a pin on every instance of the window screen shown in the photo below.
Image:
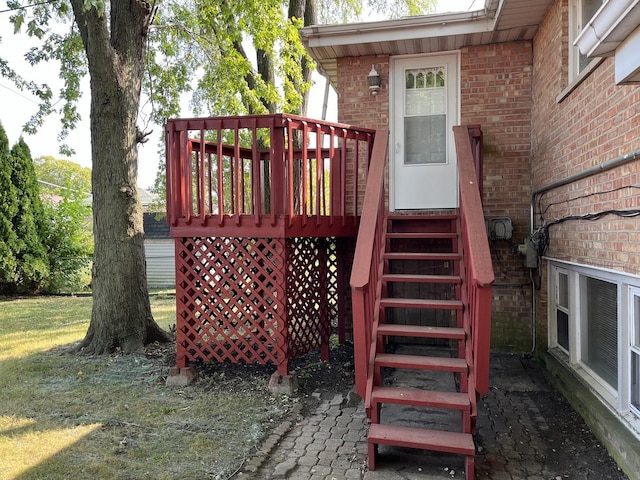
(599, 318)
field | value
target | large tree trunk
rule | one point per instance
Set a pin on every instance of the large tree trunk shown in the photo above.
(121, 315)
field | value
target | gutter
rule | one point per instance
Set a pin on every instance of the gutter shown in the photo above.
(477, 21)
(608, 28)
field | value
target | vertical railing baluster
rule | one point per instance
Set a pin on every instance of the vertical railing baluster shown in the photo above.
(319, 175)
(334, 186)
(237, 169)
(291, 194)
(202, 183)
(343, 177)
(171, 155)
(185, 159)
(220, 161)
(304, 173)
(356, 173)
(255, 174)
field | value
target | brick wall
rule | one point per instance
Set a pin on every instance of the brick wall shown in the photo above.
(572, 132)
(356, 106)
(496, 93)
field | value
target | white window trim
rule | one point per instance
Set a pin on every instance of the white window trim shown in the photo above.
(631, 292)
(627, 286)
(576, 77)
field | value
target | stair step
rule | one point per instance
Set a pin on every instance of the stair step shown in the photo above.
(407, 278)
(421, 398)
(437, 440)
(424, 303)
(419, 362)
(418, 216)
(421, 331)
(421, 256)
(420, 235)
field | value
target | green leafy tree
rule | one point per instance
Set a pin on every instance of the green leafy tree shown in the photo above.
(67, 235)
(183, 46)
(68, 240)
(8, 210)
(32, 267)
(56, 175)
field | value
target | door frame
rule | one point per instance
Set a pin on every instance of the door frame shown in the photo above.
(392, 104)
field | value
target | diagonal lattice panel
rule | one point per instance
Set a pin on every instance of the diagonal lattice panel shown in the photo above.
(309, 325)
(333, 295)
(230, 300)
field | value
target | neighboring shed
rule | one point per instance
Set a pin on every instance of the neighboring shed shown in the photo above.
(159, 252)
(158, 245)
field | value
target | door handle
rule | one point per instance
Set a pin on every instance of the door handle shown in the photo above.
(397, 147)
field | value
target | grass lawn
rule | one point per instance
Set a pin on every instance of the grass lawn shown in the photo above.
(111, 417)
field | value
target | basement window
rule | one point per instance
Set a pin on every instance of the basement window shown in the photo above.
(594, 329)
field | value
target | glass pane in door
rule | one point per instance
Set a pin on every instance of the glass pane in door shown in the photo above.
(425, 121)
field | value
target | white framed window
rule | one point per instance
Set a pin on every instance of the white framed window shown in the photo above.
(599, 328)
(594, 328)
(634, 351)
(561, 310)
(580, 12)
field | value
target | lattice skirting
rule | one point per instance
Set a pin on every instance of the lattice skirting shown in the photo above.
(257, 300)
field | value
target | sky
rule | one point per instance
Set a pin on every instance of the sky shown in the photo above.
(17, 107)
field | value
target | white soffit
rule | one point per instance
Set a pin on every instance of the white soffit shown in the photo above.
(499, 21)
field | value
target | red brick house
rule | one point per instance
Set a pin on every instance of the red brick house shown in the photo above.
(553, 86)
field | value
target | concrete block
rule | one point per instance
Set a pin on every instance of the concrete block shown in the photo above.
(181, 377)
(283, 384)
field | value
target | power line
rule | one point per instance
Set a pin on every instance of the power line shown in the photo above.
(24, 7)
(19, 94)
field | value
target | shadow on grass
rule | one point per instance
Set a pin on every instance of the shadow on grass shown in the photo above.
(83, 417)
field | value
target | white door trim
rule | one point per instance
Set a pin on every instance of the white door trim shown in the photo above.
(392, 104)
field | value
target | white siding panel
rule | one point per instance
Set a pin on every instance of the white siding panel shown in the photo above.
(160, 257)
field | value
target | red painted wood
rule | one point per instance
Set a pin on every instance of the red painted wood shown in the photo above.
(421, 256)
(437, 440)
(475, 247)
(421, 398)
(421, 303)
(408, 278)
(367, 267)
(399, 330)
(418, 235)
(207, 178)
(444, 364)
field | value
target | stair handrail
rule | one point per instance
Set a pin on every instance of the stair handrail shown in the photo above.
(367, 262)
(476, 253)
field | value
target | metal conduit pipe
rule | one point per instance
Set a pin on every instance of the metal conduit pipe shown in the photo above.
(613, 163)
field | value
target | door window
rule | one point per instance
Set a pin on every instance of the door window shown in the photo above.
(425, 122)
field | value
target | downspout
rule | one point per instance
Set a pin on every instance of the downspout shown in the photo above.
(611, 164)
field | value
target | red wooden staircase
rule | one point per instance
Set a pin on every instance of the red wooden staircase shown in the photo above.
(420, 299)
(425, 279)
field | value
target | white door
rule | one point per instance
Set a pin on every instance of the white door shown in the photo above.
(424, 109)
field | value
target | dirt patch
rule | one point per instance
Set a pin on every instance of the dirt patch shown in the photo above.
(314, 375)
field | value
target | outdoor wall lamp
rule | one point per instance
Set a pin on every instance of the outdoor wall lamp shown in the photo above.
(373, 79)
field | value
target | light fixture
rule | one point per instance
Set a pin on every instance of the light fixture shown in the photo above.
(373, 79)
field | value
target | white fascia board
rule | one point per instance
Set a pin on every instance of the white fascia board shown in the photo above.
(628, 60)
(610, 25)
(401, 29)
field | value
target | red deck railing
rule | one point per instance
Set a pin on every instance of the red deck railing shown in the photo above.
(367, 265)
(478, 270)
(265, 175)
